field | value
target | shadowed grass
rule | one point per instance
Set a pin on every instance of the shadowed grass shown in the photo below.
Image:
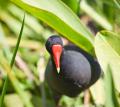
(12, 63)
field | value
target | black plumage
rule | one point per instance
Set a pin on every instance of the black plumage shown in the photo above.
(78, 69)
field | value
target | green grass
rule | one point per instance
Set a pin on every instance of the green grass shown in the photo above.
(12, 63)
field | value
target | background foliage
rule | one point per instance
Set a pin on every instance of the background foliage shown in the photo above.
(93, 25)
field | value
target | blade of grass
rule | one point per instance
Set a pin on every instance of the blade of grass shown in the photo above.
(11, 63)
(18, 42)
(3, 91)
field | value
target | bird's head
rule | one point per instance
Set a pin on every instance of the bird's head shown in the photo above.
(54, 46)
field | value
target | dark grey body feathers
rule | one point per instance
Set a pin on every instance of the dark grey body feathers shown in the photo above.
(78, 71)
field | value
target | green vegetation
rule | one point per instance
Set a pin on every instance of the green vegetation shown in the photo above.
(93, 25)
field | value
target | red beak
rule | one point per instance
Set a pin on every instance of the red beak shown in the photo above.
(57, 50)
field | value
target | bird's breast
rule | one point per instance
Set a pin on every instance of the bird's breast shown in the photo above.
(75, 68)
(74, 76)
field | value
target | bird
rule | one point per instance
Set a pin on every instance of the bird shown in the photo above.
(70, 70)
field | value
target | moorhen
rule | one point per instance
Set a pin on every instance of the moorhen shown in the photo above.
(70, 70)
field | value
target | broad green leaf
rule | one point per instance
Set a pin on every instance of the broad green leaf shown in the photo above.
(57, 15)
(73, 4)
(107, 48)
(4, 3)
(98, 93)
(110, 92)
